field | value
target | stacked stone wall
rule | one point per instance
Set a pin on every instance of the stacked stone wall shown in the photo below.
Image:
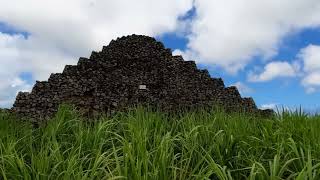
(131, 70)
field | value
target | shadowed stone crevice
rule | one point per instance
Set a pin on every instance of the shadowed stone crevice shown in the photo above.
(129, 71)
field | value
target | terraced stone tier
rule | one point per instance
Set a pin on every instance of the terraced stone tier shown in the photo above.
(131, 70)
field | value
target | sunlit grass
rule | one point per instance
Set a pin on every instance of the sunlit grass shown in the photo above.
(141, 144)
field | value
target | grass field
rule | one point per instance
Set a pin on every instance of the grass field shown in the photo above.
(142, 144)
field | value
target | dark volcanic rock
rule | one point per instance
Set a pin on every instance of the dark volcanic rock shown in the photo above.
(129, 71)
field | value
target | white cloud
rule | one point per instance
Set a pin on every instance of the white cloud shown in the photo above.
(310, 56)
(274, 70)
(226, 33)
(30, 55)
(280, 108)
(18, 55)
(269, 106)
(61, 31)
(230, 33)
(78, 26)
(311, 82)
(9, 88)
(310, 90)
(243, 88)
(307, 66)
(312, 79)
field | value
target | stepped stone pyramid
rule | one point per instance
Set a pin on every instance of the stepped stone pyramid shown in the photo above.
(131, 70)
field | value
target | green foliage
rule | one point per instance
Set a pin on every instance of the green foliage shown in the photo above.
(145, 144)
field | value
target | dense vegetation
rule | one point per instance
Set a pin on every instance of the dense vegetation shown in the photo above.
(141, 144)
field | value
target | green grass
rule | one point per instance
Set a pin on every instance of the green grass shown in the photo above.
(142, 144)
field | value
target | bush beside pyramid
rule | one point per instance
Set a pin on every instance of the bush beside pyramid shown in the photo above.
(131, 70)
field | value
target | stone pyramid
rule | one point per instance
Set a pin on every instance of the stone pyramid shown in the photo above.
(131, 70)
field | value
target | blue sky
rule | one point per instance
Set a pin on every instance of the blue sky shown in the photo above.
(271, 52)
(281, 91)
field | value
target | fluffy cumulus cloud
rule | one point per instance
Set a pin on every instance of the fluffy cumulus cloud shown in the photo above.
(310, 56)
(269, 106)
(243, 88)
(274, 70)
(19, 55)
(60, 31)
(230, 33)
(9, 87)
(306, 65)
(279, 108)
(227, 33)
(77, 25)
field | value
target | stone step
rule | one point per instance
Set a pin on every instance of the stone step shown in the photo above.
(94, 55)
(70, 69)
(218, 83)
(190, 64)
(54, 77)
(83, 61)
(249, 103)
(204, 73)
(40, 86)
(178, 58)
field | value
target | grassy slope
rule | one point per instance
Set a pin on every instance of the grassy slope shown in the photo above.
(151, 145)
